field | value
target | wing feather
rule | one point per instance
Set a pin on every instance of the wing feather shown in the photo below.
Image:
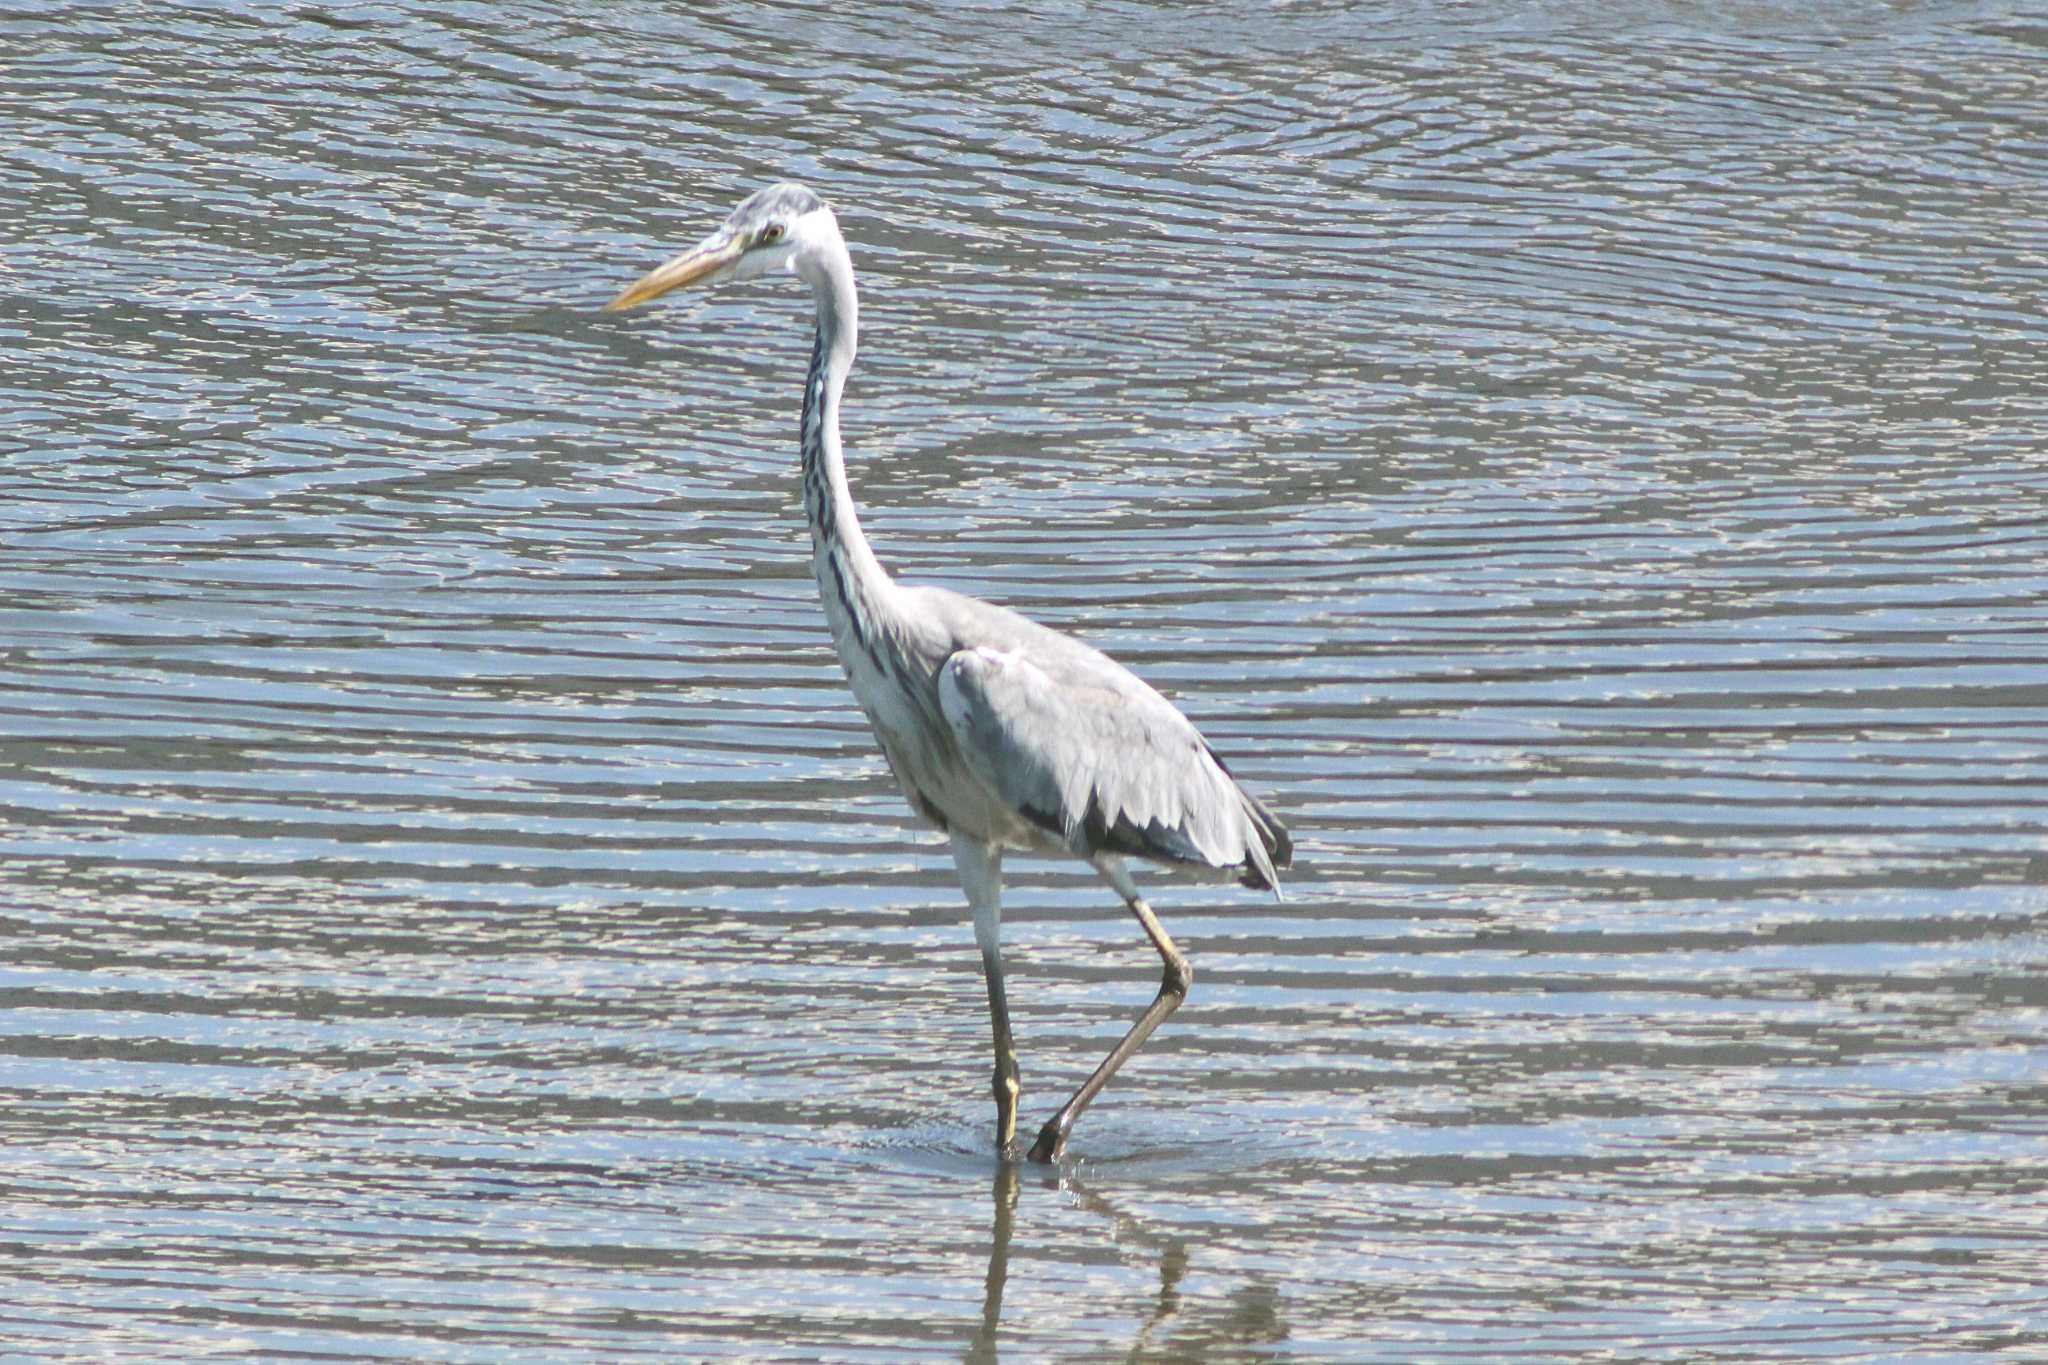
(1085, 750)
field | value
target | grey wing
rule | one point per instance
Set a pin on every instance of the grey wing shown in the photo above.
(1085, 751)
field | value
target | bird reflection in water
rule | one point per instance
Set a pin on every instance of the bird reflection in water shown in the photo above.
(1250, 1316)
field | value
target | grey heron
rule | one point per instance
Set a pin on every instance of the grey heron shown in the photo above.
(1003, 733)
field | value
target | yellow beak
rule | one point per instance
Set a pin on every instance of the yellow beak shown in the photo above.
(693, 265)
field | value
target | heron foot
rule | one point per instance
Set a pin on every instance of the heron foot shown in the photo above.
(1052, 1139)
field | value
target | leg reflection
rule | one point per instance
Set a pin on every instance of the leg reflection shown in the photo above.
(1128, 1231)
(1134, 1231)
(1001, 1224)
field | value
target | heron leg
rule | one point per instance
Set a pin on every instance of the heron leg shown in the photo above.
(981, 876)
(1173, 988)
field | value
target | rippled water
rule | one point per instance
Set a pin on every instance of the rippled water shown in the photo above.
(1585, 467)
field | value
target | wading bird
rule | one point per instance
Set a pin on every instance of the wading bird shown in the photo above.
(1003, 733)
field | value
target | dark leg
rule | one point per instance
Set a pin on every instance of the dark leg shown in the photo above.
(1008, 1084)
(981, 876)
(1173, 988)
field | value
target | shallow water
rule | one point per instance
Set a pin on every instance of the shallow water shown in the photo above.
(1584, 467)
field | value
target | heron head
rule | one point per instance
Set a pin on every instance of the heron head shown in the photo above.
(772, 229)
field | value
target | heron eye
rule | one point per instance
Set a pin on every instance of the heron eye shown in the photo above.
(771, 234)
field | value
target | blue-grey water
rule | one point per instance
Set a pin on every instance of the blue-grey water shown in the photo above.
(1586, 465)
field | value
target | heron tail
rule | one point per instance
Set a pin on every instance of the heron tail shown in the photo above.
(1271, 848)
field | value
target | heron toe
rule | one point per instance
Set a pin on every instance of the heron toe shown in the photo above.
(1051, 1144)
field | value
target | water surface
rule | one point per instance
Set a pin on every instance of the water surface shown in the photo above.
(1584, 467)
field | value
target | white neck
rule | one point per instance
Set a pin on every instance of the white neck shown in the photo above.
(857, 591)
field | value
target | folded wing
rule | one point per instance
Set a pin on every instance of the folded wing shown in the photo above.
(1089, 753)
